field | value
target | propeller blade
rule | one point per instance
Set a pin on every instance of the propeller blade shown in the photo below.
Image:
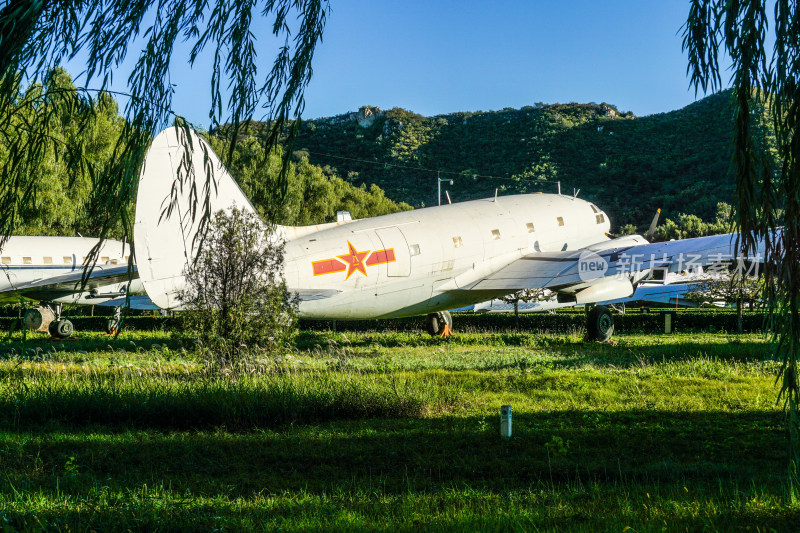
(652, 230)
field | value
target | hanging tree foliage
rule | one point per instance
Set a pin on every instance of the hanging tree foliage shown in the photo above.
(766, 197)
(37, 36)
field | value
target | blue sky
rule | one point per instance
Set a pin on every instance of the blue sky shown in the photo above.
(440, 56)
(435, 57)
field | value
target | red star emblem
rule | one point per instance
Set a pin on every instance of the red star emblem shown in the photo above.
(354, 260)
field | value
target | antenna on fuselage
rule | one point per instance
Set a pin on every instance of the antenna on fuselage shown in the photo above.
(575, 193)
(495, 195)
(447, 193)
(559, 188)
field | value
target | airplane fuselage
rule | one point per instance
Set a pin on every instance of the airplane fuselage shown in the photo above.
(30, 259)
(419, 261)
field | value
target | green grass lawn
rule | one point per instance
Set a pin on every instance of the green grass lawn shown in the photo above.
(395, 431)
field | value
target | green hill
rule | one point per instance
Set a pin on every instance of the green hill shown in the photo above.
(630, 166)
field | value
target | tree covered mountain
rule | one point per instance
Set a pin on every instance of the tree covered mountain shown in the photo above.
(373, 162)
(630, 166)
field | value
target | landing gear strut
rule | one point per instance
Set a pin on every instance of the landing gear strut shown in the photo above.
(440, 324)
(113, 324)
(599, 323)
(47, 318)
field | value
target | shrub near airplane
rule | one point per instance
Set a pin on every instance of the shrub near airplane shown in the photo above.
(417, 262)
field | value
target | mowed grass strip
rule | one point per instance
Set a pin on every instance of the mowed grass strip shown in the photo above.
(421, 454)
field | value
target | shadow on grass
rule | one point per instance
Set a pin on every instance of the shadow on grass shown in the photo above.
(620, 356)
(406, 454)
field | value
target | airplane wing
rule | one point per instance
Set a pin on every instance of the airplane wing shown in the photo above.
(608, 270)
(136, 301)
(645, 292)
(67, 284)
(670, 293)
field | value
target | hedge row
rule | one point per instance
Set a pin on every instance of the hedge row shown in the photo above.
(98, 323)
(685, 321)
(690, 321)
(13, 311)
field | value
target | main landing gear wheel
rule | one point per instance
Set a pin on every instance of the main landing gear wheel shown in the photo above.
(61, 329)
(440, 324)
(599, 324)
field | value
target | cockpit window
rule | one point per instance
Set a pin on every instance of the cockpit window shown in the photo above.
(560, 221)
(600, 218)
(594, 208)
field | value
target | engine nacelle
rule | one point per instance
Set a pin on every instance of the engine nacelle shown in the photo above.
(38, 319)
(605, 289)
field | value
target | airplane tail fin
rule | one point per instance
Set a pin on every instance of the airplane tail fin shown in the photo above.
(181, 181)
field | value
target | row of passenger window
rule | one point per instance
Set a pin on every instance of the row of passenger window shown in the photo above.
(600, 218)
(6, 260)
(458, 243)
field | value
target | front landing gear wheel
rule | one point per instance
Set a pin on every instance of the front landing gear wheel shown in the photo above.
(440, 324)
(61, 329)
(599, 324)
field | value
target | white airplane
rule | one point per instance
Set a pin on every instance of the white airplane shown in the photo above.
(50, 270)
(424, 261)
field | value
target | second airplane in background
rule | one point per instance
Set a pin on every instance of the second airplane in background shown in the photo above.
(50, 271)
